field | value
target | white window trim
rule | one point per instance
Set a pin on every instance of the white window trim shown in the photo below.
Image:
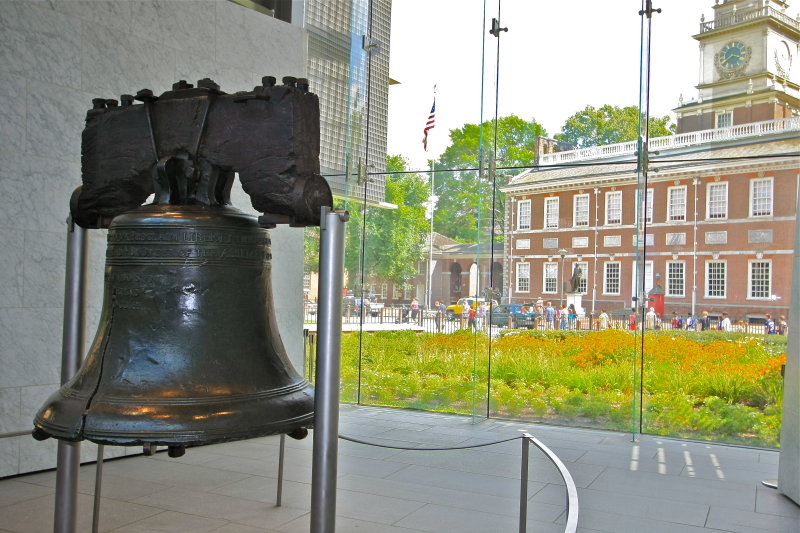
(708, 200)
(723, 113)
(619, 277)
(610, 194)
(750, 279)
(706, 280)
(548, 203)
(669, 203)
(666, 271)
(771, 197)
(648, 206)
(520, 225)
(544, 279)
(517, 278)
(575, 210)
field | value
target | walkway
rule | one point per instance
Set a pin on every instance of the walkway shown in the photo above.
(654, 486)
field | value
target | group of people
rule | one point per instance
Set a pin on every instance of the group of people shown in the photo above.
(724, 323)
(563, 318)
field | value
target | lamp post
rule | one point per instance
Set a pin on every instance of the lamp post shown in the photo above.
(562, 252)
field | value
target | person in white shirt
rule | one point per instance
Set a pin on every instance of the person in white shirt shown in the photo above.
(725, 323)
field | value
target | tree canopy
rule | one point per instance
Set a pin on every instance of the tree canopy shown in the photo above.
(391, 240)
(609, 125)
(464, 192)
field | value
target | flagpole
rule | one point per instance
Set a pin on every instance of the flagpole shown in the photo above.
(430, 241)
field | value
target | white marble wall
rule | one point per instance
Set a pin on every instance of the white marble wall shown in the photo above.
(55, 56)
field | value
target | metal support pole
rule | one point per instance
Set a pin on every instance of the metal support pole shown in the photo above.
(281, 452)
(523, 485)
(329, 355)
(98, 488)
(68, 461)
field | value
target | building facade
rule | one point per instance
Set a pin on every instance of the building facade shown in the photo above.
(710, 220)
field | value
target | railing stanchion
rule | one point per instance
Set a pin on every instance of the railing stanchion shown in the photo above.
(523, 485)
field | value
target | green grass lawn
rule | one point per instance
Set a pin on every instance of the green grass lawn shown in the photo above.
(711, 385)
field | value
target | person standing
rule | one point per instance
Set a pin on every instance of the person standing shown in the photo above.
(572, 315)
(725, 323)
(414, 308)
(783, 326)
(603, 319)
(437, 307)
(482, 316)
(562, 315)
(769, 325)
(691, 321)
(650, 319)
(539, 313)
(704, 323)
(550, 315)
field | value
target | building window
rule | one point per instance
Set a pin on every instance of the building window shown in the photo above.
(614, 207)
(724, 119)
(307, 280)
(523, 244)
(580, 242)
(550, 242)
(551, 212)
(582, 281)
(406, 292)
(717, 200)
(523, 277)
(761, 197)
(384, 290)
(676, 203)
(647, 207)
(611, 277)
(580, 211)
(524, 215)
(550, 278)
(676, 278)
(715, 279)
(760, 280)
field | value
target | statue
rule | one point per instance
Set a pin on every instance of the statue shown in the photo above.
(575, 281)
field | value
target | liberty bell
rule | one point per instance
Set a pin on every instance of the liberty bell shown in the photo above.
(187, 351)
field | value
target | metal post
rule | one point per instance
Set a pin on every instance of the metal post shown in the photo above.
(68, 461)
(281, 453)
(329, 355)
(523, 485)
(98, 488)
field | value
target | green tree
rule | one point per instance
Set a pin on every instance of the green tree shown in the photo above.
(609, 125)
(466, 194)
(390, 240)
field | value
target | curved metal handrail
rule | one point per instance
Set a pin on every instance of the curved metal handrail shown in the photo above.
(527, 438)
(572, 491)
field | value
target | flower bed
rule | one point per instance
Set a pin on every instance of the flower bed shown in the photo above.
(716, 386)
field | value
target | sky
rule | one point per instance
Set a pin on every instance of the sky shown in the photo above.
(556, 58)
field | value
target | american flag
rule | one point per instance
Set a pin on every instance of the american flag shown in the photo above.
(429, 125)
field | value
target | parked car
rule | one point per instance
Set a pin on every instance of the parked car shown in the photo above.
(454, 310)
(370, 305)
(519, 319)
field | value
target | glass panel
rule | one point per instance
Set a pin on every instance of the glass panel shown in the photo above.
(512, 192)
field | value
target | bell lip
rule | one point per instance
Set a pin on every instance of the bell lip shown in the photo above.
(177, 438)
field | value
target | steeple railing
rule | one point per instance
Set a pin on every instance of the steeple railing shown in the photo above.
(748, 15)
(739, 131)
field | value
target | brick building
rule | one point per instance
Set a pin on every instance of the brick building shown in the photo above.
(715, 227)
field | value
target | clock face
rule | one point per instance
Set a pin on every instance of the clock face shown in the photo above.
(733, 56)
(783, 58)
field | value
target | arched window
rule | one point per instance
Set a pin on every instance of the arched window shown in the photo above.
(455, 280)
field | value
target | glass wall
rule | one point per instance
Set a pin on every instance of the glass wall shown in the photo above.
(555, 235)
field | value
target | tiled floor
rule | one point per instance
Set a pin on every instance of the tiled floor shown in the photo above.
(653, 486)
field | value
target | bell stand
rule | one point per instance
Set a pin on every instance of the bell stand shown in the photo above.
(326, 398)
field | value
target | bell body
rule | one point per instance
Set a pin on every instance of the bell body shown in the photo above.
(187, 351)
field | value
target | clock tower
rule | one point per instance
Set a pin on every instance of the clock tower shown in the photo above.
(749, 66)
